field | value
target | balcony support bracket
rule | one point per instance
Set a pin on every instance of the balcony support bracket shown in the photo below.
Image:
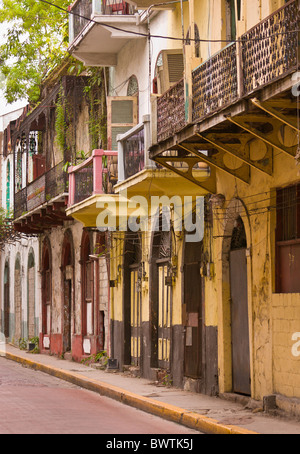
(270, 138)
(242, 172)
(274, 113)
(242, 150)
(209, 185)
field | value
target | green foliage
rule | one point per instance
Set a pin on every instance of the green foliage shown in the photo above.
(99, 357)
(35, 42)
(35, 340)
(22, 344)
(60, 121)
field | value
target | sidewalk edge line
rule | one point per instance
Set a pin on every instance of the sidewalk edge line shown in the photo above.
(169, 412)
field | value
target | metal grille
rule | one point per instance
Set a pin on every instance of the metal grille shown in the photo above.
(287, 213)
(41, 190)
(56, 181)
(134, 152)
(83, 183)
(215, 83)
(20, 202)
(82, 9)
(264, 60)
(170, 112)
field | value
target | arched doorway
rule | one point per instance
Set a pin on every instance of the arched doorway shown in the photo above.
(240, 349)
(67, 269)
(18, 300)
(46, 292)
(132, 300)
(161, 294)
(31, 296)
(6, 323)
(192, 309)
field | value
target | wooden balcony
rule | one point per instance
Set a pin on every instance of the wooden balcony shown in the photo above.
(41, 204)
(265, 54)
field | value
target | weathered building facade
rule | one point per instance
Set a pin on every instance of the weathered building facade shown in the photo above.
(45, 141)
(223, 125)
(244, 108)
(173, 242)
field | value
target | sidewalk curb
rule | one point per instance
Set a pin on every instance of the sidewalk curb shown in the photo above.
(169, 412)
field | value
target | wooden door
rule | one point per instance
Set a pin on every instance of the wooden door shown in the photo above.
(6, 309)
(193, 319)
(239, 322)
(67, 314)
(164, 317)
(135, 316)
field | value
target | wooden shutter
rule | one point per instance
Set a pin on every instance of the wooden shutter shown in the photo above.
(121, 116)
(171, 70)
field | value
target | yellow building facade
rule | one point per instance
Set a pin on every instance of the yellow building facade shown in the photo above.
(247, 131)
(220, 314)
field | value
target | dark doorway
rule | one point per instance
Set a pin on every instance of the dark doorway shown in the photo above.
(239, 311)
(133, 300)
(68, 279)
(161, 295)
(46, 288)
(67, 314)
(192, 310)
(6, 300)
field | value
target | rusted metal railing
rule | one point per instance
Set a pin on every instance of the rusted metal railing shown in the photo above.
(215, 83)
(81, 11)
(269, 49)
(44, 188)
(170, 112)
(265, 53)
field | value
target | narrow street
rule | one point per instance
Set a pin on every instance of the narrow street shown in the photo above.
(32, 402)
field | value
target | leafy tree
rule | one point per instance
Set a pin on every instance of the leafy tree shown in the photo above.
(35, 42)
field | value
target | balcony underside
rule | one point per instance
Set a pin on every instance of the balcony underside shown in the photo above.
(99, 45)
(147, 183)
(158, 182)
(46, 216)
(242, 138)
(89, 211)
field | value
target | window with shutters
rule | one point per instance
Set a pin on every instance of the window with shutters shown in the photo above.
(121, 116)
(169, 69)
(288, 239)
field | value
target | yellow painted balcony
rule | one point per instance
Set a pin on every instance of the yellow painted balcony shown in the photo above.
(139, 176)
(98, 30)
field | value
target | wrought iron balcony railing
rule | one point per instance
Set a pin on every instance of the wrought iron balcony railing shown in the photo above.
(96, 175)
(48, 186)
(81, 11)
(171, 111)
(267, 52)
(215, 83)
(270, 49)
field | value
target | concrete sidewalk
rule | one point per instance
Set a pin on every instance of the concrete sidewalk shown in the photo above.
(213, 415)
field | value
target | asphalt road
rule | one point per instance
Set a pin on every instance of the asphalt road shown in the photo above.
(32, 402)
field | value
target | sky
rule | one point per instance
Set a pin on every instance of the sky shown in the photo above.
(4, 106)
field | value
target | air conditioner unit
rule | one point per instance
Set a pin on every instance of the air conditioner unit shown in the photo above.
(170, 68)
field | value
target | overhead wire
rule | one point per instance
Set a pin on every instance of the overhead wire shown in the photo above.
(148, 35)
